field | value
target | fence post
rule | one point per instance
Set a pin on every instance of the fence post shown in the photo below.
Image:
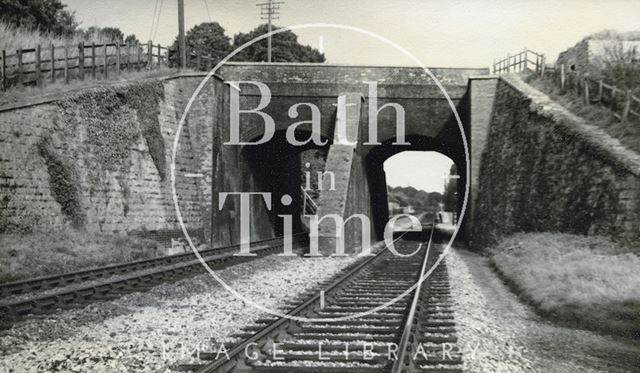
(38, 67)
(586, 91)
(508, 62)
(627, 106)
(20, 67)
(66, 65)
(138, 56)
(600, 87)
(149, 55)
(526, 58)
(159, 56)
(3, 71)
(53, 63)
(117, 59)
(543, 64)
(81, 60)
(127, 48)
(563, 78)
(106, 61)
(93, 60)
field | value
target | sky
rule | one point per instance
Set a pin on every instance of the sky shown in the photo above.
(440, 33)
(451, 33)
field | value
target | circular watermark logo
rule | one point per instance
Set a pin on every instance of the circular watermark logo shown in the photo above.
(181, 124)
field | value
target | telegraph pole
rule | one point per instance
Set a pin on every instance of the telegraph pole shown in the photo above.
(182, 44)
(270, 11)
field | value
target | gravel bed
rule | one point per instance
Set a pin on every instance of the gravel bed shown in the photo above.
(497, 333)
(301, 364)
(147, 332)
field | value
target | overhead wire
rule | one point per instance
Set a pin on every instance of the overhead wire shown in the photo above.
(208, 12)
(155, 33)
(153, 20)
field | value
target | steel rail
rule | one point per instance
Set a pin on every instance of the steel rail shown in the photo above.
(213, 366)
(12, 311)
(59, 280)
(403, 346)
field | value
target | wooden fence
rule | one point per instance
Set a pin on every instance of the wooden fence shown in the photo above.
(200, 62)
(38, 65)
(620, 101)
(525, 60)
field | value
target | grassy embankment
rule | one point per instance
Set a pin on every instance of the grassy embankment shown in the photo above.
(628, 133)
(585, 282)
(36, 254)
(14, 38)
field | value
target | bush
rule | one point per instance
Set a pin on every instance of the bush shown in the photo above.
(621, 66)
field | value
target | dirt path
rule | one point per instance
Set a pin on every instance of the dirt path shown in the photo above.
(500, 334)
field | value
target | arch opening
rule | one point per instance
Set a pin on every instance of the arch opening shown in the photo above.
(415, 179)
(280, 168)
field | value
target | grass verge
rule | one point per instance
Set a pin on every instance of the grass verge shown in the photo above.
(38, 254)
(628, 133)
(583, 281)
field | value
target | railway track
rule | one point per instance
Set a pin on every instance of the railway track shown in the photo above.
(415, 334)
(45, 294)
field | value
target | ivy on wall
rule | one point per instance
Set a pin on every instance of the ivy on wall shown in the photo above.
(107, 124)
(145, 98)
(63, 182)
(114, 118)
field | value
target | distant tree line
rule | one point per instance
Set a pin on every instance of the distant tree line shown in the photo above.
(419, 199)
(206, 39)
(209, 39)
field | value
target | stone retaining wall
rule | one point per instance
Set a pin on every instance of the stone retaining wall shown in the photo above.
(544, 169)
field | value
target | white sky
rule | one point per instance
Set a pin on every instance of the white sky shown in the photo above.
(421, 170)
(456, 33)
(448, 33)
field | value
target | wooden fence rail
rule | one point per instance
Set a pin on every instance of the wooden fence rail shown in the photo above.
(525, 60)
(38, 65)
(620, 101)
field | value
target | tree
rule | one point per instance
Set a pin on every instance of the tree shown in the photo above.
(621, 65)
(43, 15)
(131, 39)
(285, 47)
(95, 33)
(451, 202)
(112, 33)
(205, 39)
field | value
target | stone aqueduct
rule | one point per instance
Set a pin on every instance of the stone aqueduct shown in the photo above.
(521, 176)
